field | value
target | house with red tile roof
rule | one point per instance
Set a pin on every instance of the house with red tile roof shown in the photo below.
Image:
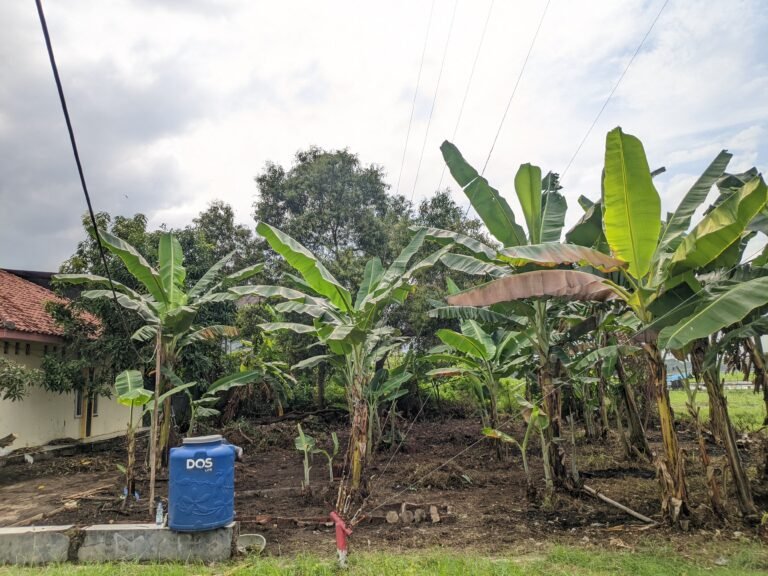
(27, 334)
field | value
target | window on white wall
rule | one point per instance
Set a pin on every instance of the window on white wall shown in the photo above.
(78, 403)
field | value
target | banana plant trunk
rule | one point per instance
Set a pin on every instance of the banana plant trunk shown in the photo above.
(638, 441)
(153, 440)
(356, 454)
(719, 406)
(670, 464)
(555, 453)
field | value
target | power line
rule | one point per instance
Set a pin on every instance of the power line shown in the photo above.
(73, 142)
(434, 98)
(517, 83)
(469, 84)
(415, 93)
(512, 95)
(610, 94)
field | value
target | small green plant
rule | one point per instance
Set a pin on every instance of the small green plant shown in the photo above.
(537, 419)
(305, 444)
(330, 456)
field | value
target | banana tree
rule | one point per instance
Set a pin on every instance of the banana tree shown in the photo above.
(521, 269)
(353, 329)
(481, 358)
(169, 311)
(658, 279)
(130, 391)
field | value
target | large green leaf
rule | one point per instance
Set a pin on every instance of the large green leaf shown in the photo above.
(487, 202)
(632, 208)
(136, 264)
(463, 343)
(678, 224)
(528, 188)
(606, 352)
(446, 236)
(588, 231)
(210, 276)
(271, 292)
(721, 311)
(400, 264)
(567, 284)
(139, 305)
(233, 380)
(172, 272)
(553, 211)
(719, 229)
(98, 281)
(371, 278)
(472, 329)
(555, 254)
(242, 275)
(129, 388)
(311, 362)
(471, 313)
(310, 268)
(292, 326)
(471, 265)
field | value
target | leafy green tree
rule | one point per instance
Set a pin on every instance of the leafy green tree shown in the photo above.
(335, 206)
(169, 311)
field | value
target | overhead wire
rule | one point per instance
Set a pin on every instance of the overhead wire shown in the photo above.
(415, 94)
(469, 84)
(512, 95)
(73, 143)
(555, 389)
(434, 98)
(613, 90)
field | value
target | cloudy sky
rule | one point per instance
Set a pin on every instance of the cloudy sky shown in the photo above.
(178, 103)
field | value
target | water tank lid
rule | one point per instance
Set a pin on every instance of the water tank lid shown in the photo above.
(203, 439)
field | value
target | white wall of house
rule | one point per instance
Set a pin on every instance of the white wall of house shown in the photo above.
(43, 416)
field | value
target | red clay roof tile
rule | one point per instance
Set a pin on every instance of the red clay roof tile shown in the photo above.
(22, 306)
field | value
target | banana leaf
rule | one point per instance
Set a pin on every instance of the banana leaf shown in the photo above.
(555, 254)
(528, 188)
(567, 284)
(172, 272)
(487, 202)
(632, 207)
(713, 315)
(136, 264)
(310, 268)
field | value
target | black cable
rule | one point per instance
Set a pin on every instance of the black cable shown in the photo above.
(610, 95)
(72, 140)
(517, 83)
(415, 93)
(434, 98)
(469, 84)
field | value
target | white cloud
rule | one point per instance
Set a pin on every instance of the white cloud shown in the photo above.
(179, 103)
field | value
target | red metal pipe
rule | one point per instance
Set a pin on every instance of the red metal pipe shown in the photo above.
(342, 531)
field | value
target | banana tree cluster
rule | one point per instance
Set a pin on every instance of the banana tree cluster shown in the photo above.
(353, 331)
(622, 250)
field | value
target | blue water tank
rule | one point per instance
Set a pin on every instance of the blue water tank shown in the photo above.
(201, 484)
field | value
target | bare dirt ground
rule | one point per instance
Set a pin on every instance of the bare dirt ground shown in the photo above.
(489, 511)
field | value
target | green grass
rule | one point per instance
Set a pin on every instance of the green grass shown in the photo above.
(746, 409)
(742, 559)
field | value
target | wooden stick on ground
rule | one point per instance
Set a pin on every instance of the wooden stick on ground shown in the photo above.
(599, 496)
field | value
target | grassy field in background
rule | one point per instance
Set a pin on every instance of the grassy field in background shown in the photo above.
(746, 408)
(742, 559)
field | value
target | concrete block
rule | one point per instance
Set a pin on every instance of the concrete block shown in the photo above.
(148, 542)
(34, 544)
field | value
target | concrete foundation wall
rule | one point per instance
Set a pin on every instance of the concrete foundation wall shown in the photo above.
(115, 543)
